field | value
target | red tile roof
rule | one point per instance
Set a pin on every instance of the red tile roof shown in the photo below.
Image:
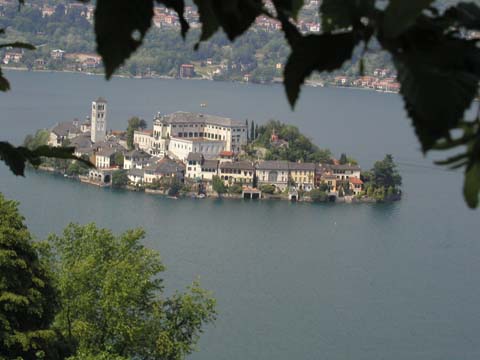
(355, 181)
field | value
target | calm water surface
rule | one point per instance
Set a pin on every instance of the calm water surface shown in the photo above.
(293, 281)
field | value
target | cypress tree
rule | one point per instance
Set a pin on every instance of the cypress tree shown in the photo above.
(256, 131)
(252, 131)
(246, 123)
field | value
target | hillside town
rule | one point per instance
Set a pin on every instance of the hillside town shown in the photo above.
(198, 149)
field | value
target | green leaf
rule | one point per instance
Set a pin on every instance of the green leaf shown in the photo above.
(17, 157)
(471, 186)
(234, 16)
(120, 26)
(438, 83)
(208, 19)
(325, 52)
(342, 14)
(401, 14)
(20, 45)
(179, 7)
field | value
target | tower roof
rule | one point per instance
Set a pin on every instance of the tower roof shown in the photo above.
(100, 100)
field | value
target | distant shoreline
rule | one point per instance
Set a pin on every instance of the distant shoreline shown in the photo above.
(309, 83)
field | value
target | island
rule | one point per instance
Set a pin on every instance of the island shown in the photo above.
(200, 155)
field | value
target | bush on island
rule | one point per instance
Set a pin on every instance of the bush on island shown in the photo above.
(268, 188)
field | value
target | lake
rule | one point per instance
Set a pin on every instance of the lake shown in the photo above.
(293, 281)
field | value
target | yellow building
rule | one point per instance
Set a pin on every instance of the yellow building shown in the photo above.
(302, 175)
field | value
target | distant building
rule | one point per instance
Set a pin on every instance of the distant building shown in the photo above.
(273, 172)
(186, 71)
(238, 172)
(62, 132)
(164, 168)
(105, 158)
(136, 159)
(303, 175)
(181, 133)
(99, 120)
(13, 56)
(57, 54)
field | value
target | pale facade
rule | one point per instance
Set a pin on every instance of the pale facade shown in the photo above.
(180, 148)
(143, 140)
(274, 173)
(241, 172)
(344, 172)
(135, 159)
(302, 175)
(198, 128)
(98, 120)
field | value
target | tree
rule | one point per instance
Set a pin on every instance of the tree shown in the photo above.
(113, 305)
(76, 168)
(235, 189)
(119, 178)
(40, 138)
(218, 185)
(134, 123)
(246, 124)
(343, 159)
(118, 159)
(174, 188)
(252, 131)
(28, 300)
(318, 195)
(267, 188)
(385, 173)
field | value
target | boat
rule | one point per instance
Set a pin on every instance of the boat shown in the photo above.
(203, 105)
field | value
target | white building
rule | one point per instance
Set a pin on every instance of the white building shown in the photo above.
(135, 159)
(105, 158)
(180, 148)
(345, 172)
(99, 120)
(180, 133)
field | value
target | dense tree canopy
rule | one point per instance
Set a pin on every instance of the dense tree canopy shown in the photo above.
(28, 299)
(112, 301)
(438, 63)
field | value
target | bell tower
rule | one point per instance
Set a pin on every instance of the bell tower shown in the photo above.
(99, 120)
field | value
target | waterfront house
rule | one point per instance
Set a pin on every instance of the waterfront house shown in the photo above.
(186, 71)
(136, 159)
(105, 158)
(344, 172)
(273, 172)
(209, 169)
(356, 185)
(331, 182)
(164, 168)
(237, 172)
(135, 176)
(194, 165)
(303, 175)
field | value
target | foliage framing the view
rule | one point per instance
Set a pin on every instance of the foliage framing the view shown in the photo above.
(438, 66)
